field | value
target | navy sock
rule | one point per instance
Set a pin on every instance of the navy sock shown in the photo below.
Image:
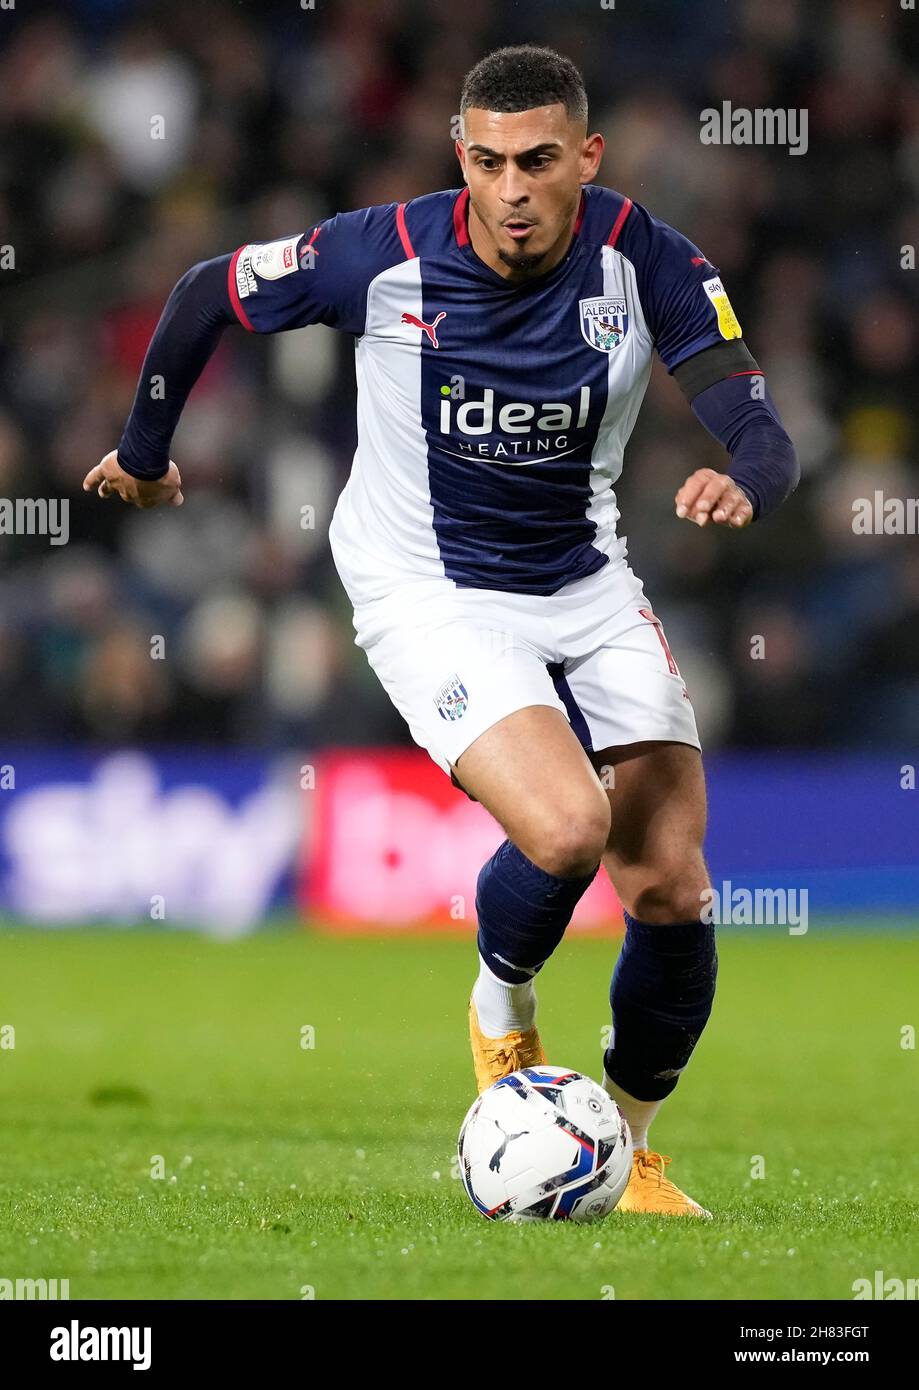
(523, 912)
(661, 997)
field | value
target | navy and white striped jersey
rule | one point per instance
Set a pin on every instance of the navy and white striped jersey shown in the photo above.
(492, 416)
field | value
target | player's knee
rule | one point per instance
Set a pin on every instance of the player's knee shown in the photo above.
(571, 839)
(671, 892)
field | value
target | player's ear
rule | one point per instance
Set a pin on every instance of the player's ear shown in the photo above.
(461, 156)
(591, 155)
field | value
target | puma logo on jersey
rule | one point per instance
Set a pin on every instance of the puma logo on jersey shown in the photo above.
(429, 328)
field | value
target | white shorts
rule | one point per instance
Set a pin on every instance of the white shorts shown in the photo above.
(454, 661)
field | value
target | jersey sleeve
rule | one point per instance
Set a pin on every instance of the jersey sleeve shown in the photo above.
(318, 276)
(682, 295)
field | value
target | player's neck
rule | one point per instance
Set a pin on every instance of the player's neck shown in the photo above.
(484, 247)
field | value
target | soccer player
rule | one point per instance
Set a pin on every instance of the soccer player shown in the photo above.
(503, 338)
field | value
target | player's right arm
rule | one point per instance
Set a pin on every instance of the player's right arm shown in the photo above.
(319, 276)
(197, 311)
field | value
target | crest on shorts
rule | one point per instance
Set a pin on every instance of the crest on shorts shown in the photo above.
(452, 699)
(604, 322)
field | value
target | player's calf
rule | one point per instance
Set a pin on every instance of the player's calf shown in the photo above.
(663, 986)
(661, 998)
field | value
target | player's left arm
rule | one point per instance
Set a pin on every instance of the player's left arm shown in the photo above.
(699, 340)
(728, 394)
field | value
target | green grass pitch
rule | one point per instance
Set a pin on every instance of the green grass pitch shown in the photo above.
(290, 1169)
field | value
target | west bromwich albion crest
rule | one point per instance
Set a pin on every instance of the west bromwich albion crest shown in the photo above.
(604, 322)
(452, 700)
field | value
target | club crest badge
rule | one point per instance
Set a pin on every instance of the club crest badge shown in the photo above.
(452, 699)
(604, 322)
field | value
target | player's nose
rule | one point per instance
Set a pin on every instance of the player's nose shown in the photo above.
(512, 191)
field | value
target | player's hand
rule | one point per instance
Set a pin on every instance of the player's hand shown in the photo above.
(109, 479)
(707, 494)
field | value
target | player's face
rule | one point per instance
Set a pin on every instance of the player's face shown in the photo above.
(525, 170)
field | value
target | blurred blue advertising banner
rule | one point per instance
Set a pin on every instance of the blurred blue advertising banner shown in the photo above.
(843, 826)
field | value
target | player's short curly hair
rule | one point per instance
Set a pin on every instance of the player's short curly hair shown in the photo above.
(522, 77)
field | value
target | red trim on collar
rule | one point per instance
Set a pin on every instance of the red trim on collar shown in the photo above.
(460, 229)
(404, 237)
(620, 222)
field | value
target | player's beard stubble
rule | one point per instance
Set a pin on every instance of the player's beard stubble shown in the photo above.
(521, 260)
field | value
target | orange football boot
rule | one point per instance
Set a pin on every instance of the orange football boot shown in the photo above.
(495, 1058)
(649, 1190)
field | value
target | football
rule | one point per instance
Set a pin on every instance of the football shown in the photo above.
(545, 1144)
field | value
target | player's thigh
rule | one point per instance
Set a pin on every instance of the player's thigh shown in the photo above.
(630, 700)
(533, 775)
(657, 798)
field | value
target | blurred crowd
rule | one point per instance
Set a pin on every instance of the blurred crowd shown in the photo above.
(224, 620)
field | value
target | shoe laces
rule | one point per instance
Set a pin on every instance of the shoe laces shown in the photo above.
(651, 1162)
(655, 1162)
(511, 1055)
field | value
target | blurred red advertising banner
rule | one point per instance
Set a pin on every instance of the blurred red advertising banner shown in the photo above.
(393, 844)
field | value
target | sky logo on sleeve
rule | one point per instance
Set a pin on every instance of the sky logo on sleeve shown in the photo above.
(728, 325)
